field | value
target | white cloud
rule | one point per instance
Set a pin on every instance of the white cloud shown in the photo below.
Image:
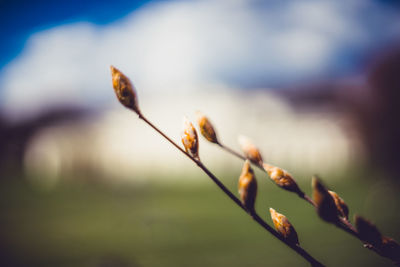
(174, 46)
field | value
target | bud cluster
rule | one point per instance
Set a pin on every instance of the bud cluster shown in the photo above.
(329, 205)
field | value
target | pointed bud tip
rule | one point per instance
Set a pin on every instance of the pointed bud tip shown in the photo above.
(314, 181)
(271, 210)
(114, 70)
(246, 167)
(187, 124)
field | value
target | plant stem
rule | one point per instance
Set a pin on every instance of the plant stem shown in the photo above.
(236, 154)
(309, 200)
(253, 214)
(233, 152)
(164, 135)
(348, 227)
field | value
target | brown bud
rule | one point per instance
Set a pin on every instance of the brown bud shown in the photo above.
(189, 139)
(124, 90)
(340, 205)
(383, 245)
(368, 231)
(284, 227)
(390, 249)
(250, 150)
(206, 128)
(325, 204)
(282, 178)
(248, 186)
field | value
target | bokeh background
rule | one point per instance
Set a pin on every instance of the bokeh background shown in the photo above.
(315, 84)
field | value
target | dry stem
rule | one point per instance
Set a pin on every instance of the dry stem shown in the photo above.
(299, 250)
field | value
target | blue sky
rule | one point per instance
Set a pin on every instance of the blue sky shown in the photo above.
(177, 45)
(21, 18)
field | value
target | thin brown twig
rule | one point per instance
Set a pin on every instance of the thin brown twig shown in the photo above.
(308, 199)
(299, 250)
(348, 227)
(233, 152)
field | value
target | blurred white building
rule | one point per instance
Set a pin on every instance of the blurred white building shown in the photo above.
(119, 146)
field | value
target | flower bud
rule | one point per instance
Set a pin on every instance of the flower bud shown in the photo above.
(124, 90)
(383, 245)
(248, 186)
(250, 150)
(284, 227)
(340, 205)
(390, 249)
(368, 231)
(189, 139)
(206, 128)
(282, 178)
(325, 204)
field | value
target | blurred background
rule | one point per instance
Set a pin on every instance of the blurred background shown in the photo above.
(84, 182)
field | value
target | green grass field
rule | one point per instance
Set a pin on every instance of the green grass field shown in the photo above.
(91, 224)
